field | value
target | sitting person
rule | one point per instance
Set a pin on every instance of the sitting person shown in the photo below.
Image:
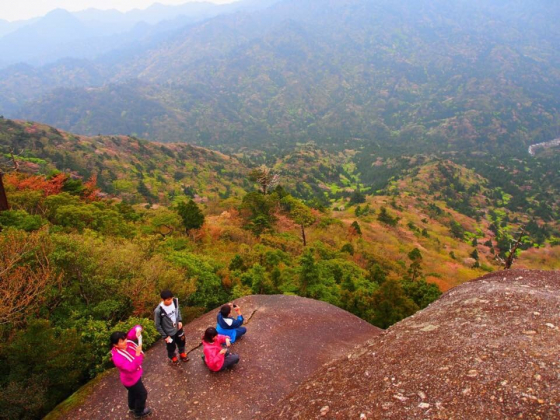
(216, 356)
(229, 326)
(127, 356)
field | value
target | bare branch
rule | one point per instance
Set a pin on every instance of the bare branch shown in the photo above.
(266, 179)
(25, 273)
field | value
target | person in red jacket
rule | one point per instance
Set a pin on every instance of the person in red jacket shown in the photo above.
(216, 356)
(127, 356)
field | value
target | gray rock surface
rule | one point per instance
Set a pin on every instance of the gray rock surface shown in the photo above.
(488, 349)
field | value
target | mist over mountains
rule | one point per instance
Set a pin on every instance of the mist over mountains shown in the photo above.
(458, 75)
(90, 33)
(367, 153)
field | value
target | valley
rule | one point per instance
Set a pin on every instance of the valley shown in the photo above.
(371, 155)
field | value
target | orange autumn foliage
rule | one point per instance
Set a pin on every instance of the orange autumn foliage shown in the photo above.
(26, 274)
(91, 191)
(37, 182)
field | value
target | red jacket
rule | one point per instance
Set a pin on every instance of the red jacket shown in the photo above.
(214, 360)
(128, 364)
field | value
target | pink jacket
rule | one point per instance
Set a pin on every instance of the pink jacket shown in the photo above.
(128, 364)
(214, 360)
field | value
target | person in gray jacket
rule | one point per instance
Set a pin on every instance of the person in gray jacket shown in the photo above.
(169, 323)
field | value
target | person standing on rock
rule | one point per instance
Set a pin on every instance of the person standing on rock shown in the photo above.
(216, 354)
(169, 323)
(229, 326)
(127, 356)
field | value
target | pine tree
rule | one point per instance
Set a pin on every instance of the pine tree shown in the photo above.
(356, 227)
(309, 273)
(474, 254)
(191, 215)
(415, 269)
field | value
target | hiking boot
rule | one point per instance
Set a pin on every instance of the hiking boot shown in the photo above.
(174, 361)
(147, 412)
(184, 357)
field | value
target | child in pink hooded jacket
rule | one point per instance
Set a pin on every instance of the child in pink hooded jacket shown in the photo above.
(127, 356)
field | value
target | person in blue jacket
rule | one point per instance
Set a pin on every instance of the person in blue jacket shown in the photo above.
(229, 326)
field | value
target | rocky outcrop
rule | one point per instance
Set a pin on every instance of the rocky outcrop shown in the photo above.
(289, 338)
(488, 349)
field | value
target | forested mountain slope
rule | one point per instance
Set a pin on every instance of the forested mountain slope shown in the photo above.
(134, 170)
(92, 260)
(422, 75)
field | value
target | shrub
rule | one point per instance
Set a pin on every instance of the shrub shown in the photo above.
(20, 219)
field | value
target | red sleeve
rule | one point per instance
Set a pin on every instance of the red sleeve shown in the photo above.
(222, 338)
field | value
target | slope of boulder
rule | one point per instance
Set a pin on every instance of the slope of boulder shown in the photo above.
(288, 338)
(488, 349)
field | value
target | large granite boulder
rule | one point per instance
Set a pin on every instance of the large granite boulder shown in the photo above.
(288, 338)
(488, 349)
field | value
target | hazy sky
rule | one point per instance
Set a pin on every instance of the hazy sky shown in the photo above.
(25, 9)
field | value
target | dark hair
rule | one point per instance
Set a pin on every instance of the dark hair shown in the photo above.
(209, 334)
(166, 294)
(116, 337)
(225, 310)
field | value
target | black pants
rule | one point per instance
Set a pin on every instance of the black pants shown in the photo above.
(137, 395)
(178, 341)
(230, 360)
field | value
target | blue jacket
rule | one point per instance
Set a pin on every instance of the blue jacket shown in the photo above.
(227, 326)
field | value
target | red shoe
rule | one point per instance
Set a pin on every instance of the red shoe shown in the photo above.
(184, 357)
(174, 360)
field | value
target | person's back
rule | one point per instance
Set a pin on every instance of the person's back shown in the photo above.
(229, 326)
(216, 354)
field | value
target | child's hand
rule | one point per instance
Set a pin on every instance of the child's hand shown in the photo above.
(228, 342)
(168, 340)
(223, 351)
(138, 331)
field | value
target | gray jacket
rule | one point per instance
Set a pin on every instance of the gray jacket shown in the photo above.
(164, 325)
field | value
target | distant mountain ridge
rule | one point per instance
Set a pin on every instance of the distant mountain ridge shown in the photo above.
(90, 33)
(426, 75)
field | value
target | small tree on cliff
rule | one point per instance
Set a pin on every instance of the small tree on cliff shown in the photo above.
(266, 179)
(191, 215)
(300, 214)
(415, 269)
(512, 254)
